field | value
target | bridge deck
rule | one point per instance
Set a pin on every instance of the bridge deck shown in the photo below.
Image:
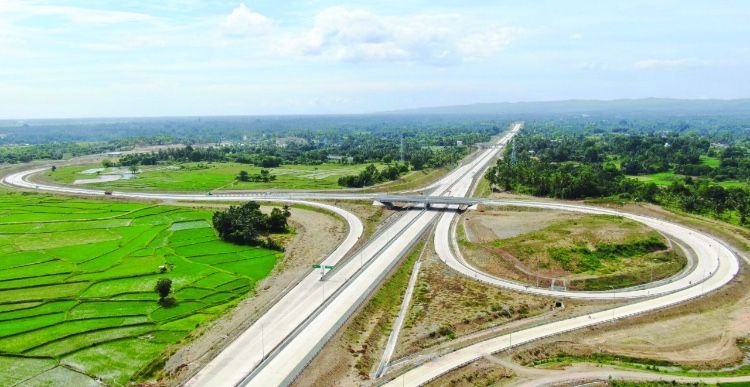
(426, 199)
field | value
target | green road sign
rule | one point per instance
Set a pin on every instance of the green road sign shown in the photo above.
(328, 267)
(316, 266)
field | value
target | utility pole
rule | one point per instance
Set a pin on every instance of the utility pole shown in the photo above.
(402, 148)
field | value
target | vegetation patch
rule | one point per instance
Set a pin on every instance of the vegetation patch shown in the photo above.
(657, 366)
(368, 331)
(204, 177)
(706, 174)
(587, 252)
(473, 306)
(247, 225)
(81, 303)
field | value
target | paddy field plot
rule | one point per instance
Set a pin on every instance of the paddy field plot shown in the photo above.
(204, 177)
(77, 300)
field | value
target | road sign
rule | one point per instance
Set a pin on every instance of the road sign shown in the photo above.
(328, 267)
(316, 266)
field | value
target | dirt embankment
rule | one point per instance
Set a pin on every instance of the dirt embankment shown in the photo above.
(483, 372)
(447, 305)
(317, 234)
(701, 334)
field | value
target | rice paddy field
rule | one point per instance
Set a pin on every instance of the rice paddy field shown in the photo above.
(77, 300)
(204, 177)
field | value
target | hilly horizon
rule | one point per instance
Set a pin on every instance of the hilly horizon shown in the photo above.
(675, 106)
(582, 106)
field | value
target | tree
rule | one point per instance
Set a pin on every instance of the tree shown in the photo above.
(277, 221)
(265, 176)
(247, 225)
(133, 169)
(54, 168)
(243, 176)
(163, 288)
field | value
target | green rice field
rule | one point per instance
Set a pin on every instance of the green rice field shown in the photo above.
(206, 177)
(77, 300)
(665, 179)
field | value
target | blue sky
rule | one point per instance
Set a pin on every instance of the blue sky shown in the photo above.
(80, 58)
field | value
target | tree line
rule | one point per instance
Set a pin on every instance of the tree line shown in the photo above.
(371, 175)
(576, 166)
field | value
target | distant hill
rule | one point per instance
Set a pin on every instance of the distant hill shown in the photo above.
(646, 106)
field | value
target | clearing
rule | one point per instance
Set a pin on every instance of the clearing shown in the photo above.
(587, 252)
(204, 177)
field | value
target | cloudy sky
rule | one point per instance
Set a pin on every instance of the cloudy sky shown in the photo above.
(81, 58)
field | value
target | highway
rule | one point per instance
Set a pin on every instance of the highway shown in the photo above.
(282, 342)
(358, 280)
(707, 248)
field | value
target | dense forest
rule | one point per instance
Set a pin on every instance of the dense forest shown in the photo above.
(709, 172)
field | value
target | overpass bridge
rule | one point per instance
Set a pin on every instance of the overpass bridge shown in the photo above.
(427, 200)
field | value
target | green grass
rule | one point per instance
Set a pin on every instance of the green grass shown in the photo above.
(664, 179)
(412, 180)
(661, 179)
(214, 176)
(483, 189)
(76, 285)
(712, 162)
(380, 311)
(597, 251)
(733, 184)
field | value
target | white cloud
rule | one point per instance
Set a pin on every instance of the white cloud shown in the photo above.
(245, 22)
(487, 43)
(576, 36)
(646, 64)
(73, 14)
(131, 42)
(356, 35)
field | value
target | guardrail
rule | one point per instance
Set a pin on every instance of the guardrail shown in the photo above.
(280, 346)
